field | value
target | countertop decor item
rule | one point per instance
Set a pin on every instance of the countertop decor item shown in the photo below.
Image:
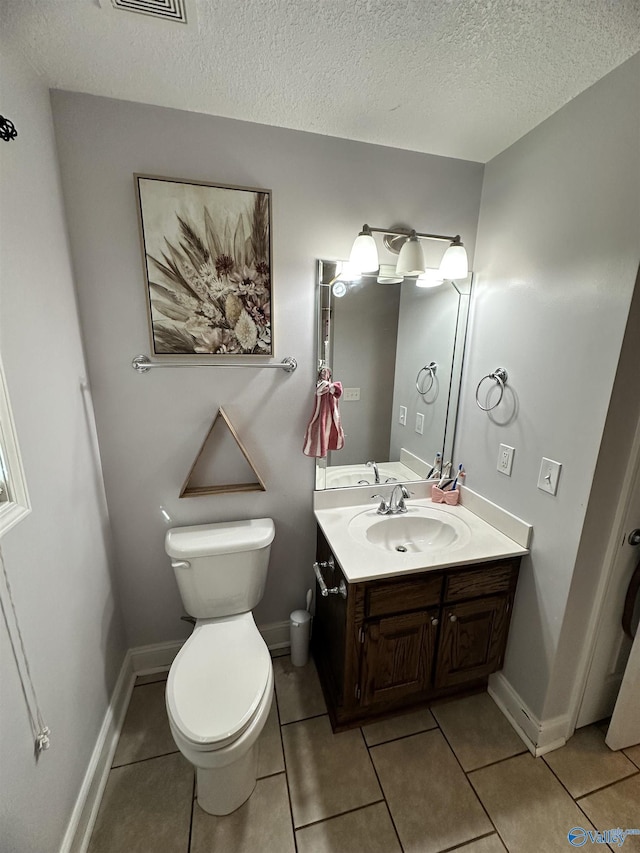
(190, 489)
(207, 266)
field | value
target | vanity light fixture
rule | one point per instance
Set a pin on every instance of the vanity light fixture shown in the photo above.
(430, 278)
(346, 278)
(389, 275)
(364, 252)
(454, 263)
(406, 243)
(411, 257)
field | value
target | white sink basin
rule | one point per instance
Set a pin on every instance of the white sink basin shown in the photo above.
(420, 529)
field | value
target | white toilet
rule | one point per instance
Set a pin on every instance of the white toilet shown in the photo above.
(220, 685)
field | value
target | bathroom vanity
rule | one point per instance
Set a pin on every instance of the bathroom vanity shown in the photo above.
(406, 625)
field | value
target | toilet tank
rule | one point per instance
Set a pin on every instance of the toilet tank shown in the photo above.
(221, 568)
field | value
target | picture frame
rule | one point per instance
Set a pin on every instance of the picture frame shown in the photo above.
(206, 251)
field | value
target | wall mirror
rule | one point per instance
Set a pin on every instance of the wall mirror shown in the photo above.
(394, 346)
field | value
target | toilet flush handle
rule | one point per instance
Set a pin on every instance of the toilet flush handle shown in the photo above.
(180, 564)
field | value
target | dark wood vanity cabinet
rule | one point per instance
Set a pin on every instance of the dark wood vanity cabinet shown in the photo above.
(397, 656)
(409, 640)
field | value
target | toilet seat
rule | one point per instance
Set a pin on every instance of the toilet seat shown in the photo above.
(217, 681)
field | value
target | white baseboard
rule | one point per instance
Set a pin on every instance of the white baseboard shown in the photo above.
(154, 658)
(539, 736)
(137, 661)
(85, 811)
(277, 637)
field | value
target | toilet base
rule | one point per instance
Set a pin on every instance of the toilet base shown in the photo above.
(222, 790)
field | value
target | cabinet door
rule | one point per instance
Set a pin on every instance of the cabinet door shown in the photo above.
(472, 640)
(397, 656)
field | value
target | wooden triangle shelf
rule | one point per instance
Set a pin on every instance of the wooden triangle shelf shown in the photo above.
(189, 491)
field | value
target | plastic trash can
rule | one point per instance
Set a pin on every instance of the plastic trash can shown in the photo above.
(300, 629)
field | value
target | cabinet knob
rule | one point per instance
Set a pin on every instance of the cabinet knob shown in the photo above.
(453, 617)
(434, 620)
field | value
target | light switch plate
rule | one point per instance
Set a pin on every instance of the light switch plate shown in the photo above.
(403, 415)
(419, 423)
(549, 475)
(505, 459)
(351, 394)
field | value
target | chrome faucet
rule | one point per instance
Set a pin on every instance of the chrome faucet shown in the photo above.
(376, 473)
(395, 505)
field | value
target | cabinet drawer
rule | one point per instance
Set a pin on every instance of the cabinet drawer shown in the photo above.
(485, 580)
(399, 596)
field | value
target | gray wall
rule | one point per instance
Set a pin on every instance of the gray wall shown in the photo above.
(57, 559)
(622, 421)
(151, 426)
(556, 264)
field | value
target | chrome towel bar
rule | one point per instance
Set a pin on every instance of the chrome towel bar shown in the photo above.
(142, 364)
(341, 589)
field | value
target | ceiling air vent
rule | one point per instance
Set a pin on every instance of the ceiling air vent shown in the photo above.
(168, 10)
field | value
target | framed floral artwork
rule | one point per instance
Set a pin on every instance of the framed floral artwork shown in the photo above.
(207, 264)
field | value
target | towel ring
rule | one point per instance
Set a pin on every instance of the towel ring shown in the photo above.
(431, 370)
(499, 375)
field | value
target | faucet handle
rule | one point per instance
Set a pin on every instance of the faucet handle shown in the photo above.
(384, 506)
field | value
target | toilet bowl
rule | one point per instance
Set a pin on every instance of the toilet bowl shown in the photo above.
(220, 685)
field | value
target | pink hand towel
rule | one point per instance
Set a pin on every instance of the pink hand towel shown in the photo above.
(324, 431)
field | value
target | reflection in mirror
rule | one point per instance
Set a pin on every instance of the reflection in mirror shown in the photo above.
(397, 349)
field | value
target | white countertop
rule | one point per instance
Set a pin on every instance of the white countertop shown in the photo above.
(362, 561)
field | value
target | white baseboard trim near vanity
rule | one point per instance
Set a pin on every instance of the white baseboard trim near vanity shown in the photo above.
(85, 811)
(539, 736)
(140, 660)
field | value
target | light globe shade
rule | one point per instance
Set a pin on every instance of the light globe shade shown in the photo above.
(388, 275)
(411, 258)
(348, 272)
(364, 252)
(454, 263)
(429, 278)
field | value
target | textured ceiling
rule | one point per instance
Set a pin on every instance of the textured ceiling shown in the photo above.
(461, 78)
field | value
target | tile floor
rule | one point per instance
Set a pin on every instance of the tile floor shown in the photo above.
(454, 778)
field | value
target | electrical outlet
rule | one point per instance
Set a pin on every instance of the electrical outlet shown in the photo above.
(350, 394)
(419, 423)
(549, 475)
(403, 415)
(505, 459)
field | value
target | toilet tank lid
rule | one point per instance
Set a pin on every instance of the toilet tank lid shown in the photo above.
(229, 537)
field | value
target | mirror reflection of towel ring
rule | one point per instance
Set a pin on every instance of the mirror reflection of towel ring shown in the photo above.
(499, 375)
(430, 369)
